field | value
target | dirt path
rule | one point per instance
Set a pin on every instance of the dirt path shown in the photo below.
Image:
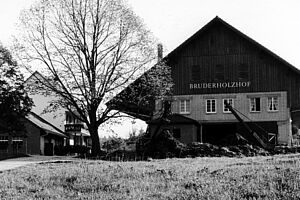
(10, 164)
(20, 162)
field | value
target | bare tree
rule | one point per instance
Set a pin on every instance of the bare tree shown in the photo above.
(138, 99)
(90, 50)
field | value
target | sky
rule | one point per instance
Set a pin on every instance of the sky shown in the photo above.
(274, 24)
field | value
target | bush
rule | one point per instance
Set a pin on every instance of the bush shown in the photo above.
(112, 144)
(65, 150)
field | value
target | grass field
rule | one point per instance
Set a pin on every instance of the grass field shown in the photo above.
(276, 177)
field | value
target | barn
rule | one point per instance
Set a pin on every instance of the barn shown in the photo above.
(218, 65)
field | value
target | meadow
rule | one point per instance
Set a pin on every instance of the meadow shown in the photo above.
(262, 177)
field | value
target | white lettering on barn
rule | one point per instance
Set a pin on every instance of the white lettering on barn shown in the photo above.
(220, 85)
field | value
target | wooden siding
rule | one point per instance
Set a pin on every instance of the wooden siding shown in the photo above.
(220, 45)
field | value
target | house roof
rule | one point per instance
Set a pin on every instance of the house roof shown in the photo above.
(35, 75)
(43, 124)
(219, 20)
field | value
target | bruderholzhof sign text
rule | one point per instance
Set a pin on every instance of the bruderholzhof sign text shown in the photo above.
(238, 84)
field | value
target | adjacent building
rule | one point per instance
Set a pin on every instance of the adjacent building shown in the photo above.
(45, 133)
(39, 137)
(75, 131)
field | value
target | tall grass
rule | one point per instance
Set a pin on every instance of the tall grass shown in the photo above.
(275, 177)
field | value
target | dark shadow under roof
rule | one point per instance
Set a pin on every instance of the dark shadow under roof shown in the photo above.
(176, 119)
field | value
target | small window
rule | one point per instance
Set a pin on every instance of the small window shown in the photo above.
(243, 72)
(196, 73)
(67, 118)
(185, 106)
(3, 142)
(17, 142)
(176, 133)
(211, 106)
(17, 139)
(219, 72)
(255, 104)
(3, 139)
(225, 108)
(272, 103)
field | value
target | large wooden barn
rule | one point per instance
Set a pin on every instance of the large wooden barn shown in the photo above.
(220, 64)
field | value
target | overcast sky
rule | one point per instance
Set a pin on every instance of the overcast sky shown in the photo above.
(273, 23)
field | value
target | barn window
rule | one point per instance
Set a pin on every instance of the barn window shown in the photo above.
(219, 72)
(196, 73)
(272, 103)
(255, 104)
(176, 133)
(17, 142)
(185, 106)
(211, 106)
(67, 119)
(243, 72)
(3, 142)
(3, 139)
(225, 108)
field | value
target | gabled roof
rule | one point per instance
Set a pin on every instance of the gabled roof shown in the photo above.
(35, 75)
(43, 124)
(219, 20)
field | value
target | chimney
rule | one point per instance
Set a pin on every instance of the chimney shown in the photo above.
(159, 52)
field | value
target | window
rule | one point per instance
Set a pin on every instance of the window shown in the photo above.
(3, 139)
(17, 142)
(211, 106)
(176, 133)
(17, 139)
(185, 106)
(225, 108)
(272, 103)
(219, 72)
(255, 104)
(71, 119)
(243, 72)
(67, 119)
(3, 142)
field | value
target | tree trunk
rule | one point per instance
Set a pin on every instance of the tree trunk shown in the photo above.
(95, 142)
